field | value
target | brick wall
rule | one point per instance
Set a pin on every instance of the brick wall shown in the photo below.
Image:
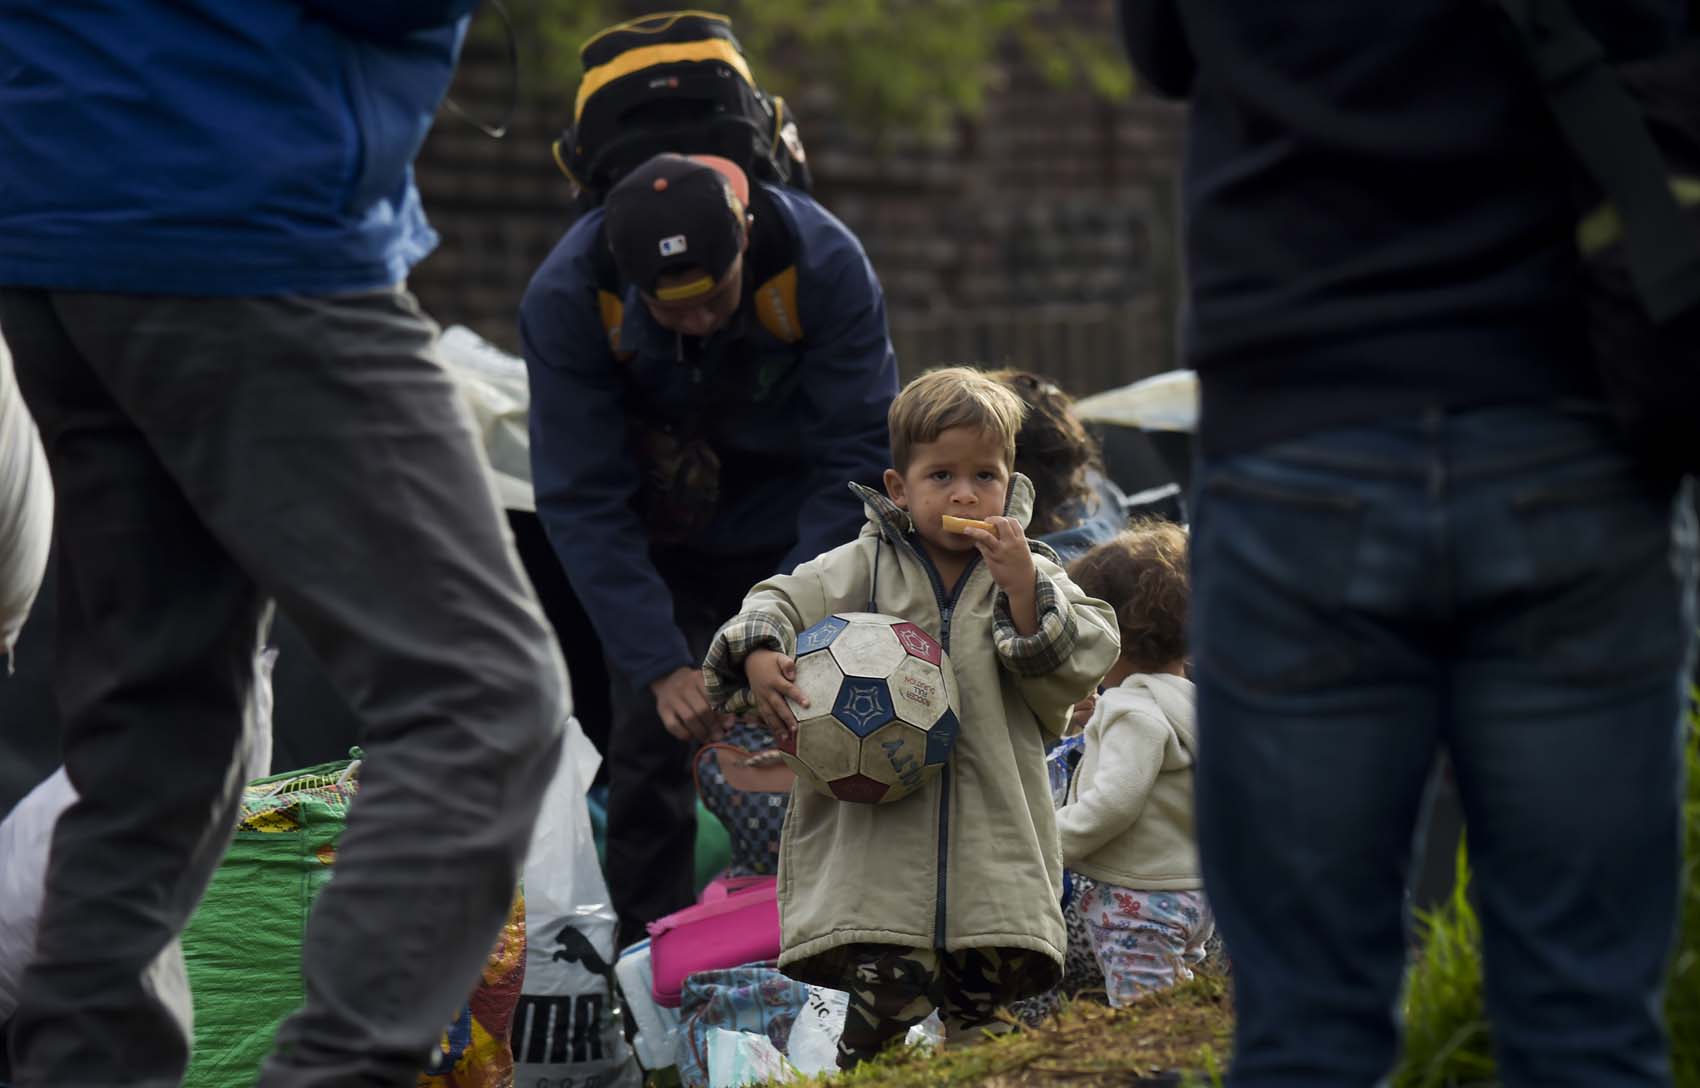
(1040, 234)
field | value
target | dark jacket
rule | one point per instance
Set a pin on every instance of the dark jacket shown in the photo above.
(1376, 207)
(788, 423)
(217, 147)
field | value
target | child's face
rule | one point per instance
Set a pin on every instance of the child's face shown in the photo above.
(962, 473)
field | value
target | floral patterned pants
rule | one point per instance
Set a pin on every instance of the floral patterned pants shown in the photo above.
(1145, 941)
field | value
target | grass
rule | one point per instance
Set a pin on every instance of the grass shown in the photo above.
(1447, 1039)
(1447, 1044)
(1682, 1005)
(1085, 1045)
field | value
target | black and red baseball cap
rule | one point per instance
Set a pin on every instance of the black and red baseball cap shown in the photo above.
(675, 213)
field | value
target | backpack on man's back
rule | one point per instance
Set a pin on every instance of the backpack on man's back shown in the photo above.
(678, 81)
(1633, 132)
(675, 81)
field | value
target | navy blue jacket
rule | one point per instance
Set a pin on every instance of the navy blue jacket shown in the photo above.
(217, 147)
(812, 418)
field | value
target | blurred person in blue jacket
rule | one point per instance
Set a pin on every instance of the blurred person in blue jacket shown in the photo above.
(709, 365)
(207, 212)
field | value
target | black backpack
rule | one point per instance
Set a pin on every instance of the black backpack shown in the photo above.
(1634, 134)
(676, 81)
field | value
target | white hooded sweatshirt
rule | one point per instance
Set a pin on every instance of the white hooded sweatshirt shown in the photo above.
(1129, 817)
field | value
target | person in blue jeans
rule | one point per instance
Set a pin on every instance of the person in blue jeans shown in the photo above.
(1416, 529)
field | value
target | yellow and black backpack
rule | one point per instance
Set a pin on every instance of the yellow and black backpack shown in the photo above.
(676, 81)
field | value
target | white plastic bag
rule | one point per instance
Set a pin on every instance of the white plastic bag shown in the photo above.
(566, 1031)
(25, 837)
(1162, 402)
(26, 508)
(737, 1058)
(928, 1034)
(656, 1040)
(496, 388)
(813, 1045)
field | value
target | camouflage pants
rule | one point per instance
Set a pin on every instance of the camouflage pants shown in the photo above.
(894, 988)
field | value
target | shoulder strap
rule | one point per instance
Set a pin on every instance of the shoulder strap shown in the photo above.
(610, 299)
(1606, 132)
(772, 260)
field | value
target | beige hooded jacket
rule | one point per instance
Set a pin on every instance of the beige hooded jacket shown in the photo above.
(972, 859)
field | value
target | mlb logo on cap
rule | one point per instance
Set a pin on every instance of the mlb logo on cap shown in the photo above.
(675, 214)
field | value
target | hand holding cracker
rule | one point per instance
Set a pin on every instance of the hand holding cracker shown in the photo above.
(1003, 545)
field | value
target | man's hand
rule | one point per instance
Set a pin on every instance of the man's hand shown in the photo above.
(681, 698)
(1011, 563)
(772, 678)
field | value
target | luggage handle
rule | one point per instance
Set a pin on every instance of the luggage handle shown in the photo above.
(730, 886)
(735, 767)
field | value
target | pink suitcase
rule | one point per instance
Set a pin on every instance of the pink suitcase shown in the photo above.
(737, 922)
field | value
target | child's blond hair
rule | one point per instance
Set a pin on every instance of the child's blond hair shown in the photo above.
(1142, 574)
(953, 396)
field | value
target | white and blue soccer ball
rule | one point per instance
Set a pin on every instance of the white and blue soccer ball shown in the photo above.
(883, 708)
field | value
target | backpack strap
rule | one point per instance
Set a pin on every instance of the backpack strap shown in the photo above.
(772, 260)
(610, 300)
(1607, 134)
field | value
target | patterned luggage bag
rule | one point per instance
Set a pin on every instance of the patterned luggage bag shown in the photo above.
(744, 783)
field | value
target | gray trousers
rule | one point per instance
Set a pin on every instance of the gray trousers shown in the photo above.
(209, 453)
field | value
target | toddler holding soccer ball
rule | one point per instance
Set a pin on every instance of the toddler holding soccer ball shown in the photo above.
(1127, 826)
(948, 898)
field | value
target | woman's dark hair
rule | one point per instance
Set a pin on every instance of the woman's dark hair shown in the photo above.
(1142, 574)
(1053, 449)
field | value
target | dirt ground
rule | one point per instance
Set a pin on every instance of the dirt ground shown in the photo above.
(1184, 1031)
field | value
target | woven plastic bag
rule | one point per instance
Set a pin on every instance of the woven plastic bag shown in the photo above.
(243, 946)
(476, 1051)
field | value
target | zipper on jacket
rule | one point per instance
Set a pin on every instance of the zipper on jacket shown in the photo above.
(947, 606)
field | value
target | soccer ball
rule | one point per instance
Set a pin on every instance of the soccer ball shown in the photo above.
(882, 714)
